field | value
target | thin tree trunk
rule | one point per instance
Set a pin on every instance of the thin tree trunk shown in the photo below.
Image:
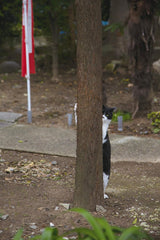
(88, 180)
(54, 31)
(71, 14)
(141, 30)
(118, 14)
(72, 28)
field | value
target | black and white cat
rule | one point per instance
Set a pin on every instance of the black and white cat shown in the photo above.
(107, 114)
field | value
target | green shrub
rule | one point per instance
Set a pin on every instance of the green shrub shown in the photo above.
(100, 230)
(155, 117)
(126, 116)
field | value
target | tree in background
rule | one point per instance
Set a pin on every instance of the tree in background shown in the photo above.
(141, 31)
(88, 180)
(51, 16)
(10, 29)
(105, 6)
(118, 38)
(10, 19)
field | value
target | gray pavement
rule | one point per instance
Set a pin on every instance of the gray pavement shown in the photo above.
(62, 142)
(30, 138)
(9, 117)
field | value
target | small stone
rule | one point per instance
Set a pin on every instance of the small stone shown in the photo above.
(155, 100)
(130, 85)
(155, 228)
(9, 67)
(33, 226)
(100, 209)
(1, 231)
(9, 170)
(4, 217)
(156, 66)
(65, 205)
(2, 160)
(51, 224)
(144, 224)
(146, 132)
(54, 162)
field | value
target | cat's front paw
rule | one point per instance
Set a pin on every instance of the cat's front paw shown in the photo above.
(106, 196)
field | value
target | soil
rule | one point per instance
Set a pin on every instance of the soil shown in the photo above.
(33, 186)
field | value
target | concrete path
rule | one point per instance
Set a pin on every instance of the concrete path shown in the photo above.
(138, 149)
(62, 142)
(29, 138)
(9, 117)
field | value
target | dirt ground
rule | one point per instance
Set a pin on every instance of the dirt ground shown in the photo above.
(32, 194)
(51, 102)
(33, 186)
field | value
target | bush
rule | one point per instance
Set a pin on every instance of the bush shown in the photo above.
(100, 230)
(126, 116)
(155, 117)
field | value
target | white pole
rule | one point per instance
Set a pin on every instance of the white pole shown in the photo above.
(27, 63)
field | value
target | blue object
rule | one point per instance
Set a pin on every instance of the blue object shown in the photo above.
(62, 32)
(105, 23)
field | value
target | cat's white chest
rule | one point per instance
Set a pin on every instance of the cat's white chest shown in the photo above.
(105, 125)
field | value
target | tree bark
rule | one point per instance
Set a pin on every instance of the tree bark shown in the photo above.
(54, 31)
(89, 173)
(71, 19)
(141, 30)
(118, 14)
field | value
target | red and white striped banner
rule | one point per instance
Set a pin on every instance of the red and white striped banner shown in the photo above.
(27, 22)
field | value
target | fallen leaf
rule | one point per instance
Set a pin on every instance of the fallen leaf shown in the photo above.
(135, 221)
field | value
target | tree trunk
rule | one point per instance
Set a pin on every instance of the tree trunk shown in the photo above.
(118, 14)
(54, 31)
(88, 180)
(141, 30)
(71, 17)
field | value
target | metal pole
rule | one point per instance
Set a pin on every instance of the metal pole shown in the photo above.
(27, 64)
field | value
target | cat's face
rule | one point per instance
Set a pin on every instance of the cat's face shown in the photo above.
(107, 113)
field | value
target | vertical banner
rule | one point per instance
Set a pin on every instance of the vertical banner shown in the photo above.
(28, 63)
(27, 10)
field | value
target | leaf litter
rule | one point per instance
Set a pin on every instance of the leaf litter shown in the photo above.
(29, 171)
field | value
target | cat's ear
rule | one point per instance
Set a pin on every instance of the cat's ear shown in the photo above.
(104, 108)
(113, 109)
